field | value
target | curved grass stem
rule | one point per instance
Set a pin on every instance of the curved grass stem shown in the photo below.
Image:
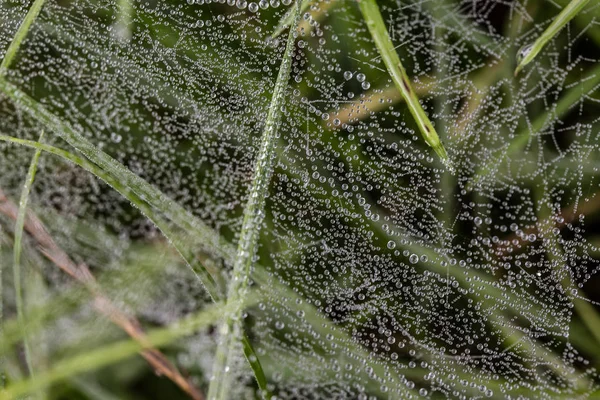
(528, 53)
(112, 353)
(378, 30)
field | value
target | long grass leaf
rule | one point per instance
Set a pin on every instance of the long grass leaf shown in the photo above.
(110, 354)
(22, 32)
(527, 53)
(379, 32)
(146, 209)
(17, 251)
(253, 212)
(123, 180)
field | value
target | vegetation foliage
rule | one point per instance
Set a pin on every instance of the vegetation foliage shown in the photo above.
(311, 199)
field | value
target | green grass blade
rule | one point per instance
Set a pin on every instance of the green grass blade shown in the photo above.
(527, 53)
(22, 32)
(20, 223)
(379, 32)
(288, 18)
(204, 276)
(107, 355)
(219, 387)
(254, 361)
(116, 175)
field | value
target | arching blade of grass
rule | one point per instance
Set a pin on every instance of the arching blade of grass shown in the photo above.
(231, 330)
(112, 353)
(12, 50)
(17, 251)
(528, 53)
(117, 176)
(374, 20)
(130, 195)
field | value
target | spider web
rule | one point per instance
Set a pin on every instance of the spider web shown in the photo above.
(407, 279)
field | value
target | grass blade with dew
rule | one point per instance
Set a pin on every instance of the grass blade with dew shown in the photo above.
(146, 209)
(288, 18)
(527, 53)
(14, 46)
(112, 353)
(17, 250)
(379, 33)
(231, 329)
(122, 179)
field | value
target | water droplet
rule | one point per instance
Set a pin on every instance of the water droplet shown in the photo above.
(524, 52)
